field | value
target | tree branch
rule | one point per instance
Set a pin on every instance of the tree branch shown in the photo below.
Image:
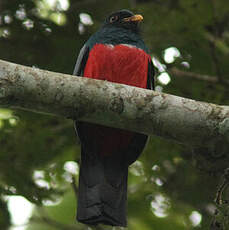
(190, 122)
(211, 79)
(216, 62)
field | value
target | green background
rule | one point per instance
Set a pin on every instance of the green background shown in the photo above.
(168, 182)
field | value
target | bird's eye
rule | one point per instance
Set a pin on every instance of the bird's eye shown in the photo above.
(113, 18)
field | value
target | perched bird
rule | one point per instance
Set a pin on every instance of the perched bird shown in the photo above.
(114, 53)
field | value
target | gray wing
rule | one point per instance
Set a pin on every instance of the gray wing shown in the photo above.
(78, 71)
(81, 61)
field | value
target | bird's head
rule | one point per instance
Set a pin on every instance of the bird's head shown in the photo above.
(125, 19)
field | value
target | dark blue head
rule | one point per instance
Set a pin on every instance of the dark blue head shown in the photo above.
(124, 19)
(121, 27)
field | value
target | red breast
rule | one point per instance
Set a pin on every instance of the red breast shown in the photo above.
(123, 64)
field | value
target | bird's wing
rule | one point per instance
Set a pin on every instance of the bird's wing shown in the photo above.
(78, 71)
(81, 61)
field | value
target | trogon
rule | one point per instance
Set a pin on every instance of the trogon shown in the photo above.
(115, 53)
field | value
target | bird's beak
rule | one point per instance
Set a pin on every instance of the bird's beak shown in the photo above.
(134, 18)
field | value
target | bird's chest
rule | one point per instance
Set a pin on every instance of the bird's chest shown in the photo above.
(121, 63)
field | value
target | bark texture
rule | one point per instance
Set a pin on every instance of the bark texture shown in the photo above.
(190, 122)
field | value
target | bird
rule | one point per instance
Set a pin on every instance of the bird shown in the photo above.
(115, 53)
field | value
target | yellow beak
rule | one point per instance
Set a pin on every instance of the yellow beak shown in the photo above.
(134, 18)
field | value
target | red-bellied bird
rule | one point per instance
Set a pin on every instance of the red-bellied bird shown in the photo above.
(115, 53)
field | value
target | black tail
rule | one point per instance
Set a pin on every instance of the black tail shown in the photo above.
(102, 189)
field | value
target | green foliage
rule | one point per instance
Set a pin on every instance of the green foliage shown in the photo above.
(164, 186)
(5, 215)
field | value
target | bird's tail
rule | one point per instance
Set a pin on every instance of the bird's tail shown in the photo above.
(102, 190)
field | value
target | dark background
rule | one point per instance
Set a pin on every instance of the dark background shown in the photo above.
(169, 183)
